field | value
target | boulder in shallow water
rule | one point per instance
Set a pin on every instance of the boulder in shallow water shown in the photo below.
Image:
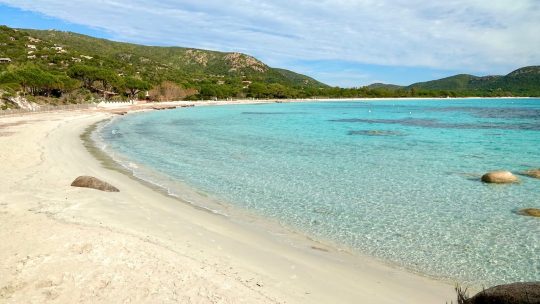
(515, 293)
(529, 212)
(535, 173)
(499, 177)
(94, 183)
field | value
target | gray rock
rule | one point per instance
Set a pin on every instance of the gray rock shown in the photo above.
(515, 293)
(94, 183)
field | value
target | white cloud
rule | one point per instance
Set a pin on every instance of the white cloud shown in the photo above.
(473, 35)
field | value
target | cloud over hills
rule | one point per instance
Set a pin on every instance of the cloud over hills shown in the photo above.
(474, 35)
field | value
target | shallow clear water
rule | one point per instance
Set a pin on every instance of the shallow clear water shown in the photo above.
(398, 180)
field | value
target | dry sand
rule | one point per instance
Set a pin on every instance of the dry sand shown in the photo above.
(61, 244)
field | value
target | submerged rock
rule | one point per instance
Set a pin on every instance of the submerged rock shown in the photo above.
(159, 108)
(515, 293)
(375, 133)
(535, 173)
(529, 212)
(94, 183)
(499, 177)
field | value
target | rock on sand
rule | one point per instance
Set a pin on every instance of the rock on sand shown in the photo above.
(94, 183)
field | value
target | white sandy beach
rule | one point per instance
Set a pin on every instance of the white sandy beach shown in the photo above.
(62, 244)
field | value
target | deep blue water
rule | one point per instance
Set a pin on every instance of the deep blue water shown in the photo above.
(398, 180)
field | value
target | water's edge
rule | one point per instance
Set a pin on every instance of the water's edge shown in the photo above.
(250, 219)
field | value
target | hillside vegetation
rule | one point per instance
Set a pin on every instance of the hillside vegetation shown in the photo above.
(173, 63)
(521, 82)
(74, 68)
(58, 67)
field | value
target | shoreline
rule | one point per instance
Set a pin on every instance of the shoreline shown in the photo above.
(254, 267)
(249, 219)
(119, 107)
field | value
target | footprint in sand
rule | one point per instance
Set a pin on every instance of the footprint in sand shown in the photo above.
(82, 248)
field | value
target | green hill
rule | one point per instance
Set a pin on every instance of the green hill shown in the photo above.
(48, 66)
(522, 82)
(183, 64)
(458, 82)
(384, 86)
(217, 73)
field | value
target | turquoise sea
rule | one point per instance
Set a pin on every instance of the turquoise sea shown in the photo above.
(394, 179)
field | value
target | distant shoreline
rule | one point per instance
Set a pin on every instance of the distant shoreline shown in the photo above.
(353, 99)
(127, 106)
(153, 105)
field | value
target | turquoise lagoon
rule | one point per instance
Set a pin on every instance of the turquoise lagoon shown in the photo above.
(394, 179)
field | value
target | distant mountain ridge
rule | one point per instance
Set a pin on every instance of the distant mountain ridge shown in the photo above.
(521, 82)
(386, 86)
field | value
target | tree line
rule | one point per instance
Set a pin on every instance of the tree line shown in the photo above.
(31, 79)
(86, 82)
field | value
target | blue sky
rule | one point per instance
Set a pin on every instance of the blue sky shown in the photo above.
(340, 42)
